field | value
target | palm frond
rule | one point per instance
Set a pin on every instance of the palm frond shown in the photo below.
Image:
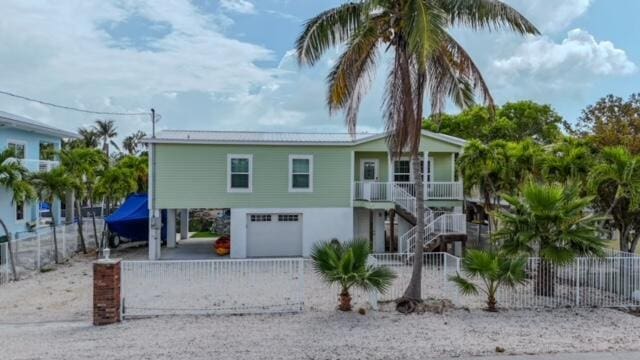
(486, 14)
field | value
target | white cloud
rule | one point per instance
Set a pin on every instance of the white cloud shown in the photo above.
(239, 6)
(551, 15)
(579, 54)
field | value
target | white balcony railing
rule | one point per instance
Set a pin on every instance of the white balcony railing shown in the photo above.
(38, 165)
(401, 191)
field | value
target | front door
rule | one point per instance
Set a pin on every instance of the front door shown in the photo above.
(369, 178)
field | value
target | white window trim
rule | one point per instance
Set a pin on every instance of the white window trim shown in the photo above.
(24, 212)
(306, 157)
(19, 142)
(239, 156)
(394, 173)
(376, 175)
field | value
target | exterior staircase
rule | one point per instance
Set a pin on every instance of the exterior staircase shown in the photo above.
(437, 223)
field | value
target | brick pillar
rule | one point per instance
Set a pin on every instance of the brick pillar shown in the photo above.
(106, 291)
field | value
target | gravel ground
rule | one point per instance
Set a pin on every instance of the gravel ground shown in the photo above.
(48, 317)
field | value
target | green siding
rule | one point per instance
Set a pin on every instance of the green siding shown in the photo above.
(383, 164)
(193, 176)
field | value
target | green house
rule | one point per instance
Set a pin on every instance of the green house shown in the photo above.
(286, 191)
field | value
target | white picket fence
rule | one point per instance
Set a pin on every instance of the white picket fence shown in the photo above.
(33, 251)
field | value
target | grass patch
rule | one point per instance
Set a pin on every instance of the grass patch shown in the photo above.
(615, 245)
(204, 234)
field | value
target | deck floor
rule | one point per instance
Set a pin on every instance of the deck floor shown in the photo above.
(191, 249)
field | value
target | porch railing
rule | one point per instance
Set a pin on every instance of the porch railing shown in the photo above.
(39, 165)
(398, 191)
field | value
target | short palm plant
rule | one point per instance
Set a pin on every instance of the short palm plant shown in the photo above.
(494, 269)
(345, 264)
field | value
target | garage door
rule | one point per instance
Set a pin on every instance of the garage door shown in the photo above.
(274, 235)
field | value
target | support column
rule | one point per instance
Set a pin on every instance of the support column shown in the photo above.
(171, 228)
(155, 224)
(378, 231)
(184, 224)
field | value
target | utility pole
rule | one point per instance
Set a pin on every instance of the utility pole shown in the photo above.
(153, 123)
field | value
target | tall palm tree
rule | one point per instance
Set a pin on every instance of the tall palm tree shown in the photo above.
(427, 61)
(131, 144)
(13, 178)
(52, 185)
(485, 168)
(568, 160)
(89, 137)
(83, 165)
(615, 180)
(552, 222)
(106, 130)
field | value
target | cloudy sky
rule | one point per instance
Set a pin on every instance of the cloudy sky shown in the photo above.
(228, 64)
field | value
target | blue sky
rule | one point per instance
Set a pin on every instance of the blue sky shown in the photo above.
(228, 65)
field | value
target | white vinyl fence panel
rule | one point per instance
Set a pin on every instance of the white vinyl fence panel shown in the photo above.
(212, 286)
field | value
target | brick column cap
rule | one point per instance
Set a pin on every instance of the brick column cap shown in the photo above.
(107, 261)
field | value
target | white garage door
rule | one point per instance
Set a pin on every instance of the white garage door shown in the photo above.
(274, 235)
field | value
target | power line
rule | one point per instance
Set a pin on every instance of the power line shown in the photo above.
(72, 108)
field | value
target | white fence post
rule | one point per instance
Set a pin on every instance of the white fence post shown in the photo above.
(301, 275)
(374, 295)
(64, 241)
(577, 282)
(38, 263)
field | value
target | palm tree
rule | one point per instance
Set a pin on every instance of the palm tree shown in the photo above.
(494, 269)
(568, 161)
(132, 143)
(139, 165)
(106, 131)
(346, 265)
(83, 165)
(615, 181)
(552, 222)
(52, 185)
(427, 61)
(486, 168)
(13, 177)
(89, 137)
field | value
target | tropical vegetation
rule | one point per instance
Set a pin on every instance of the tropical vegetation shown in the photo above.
(426, 63)
(346, 264)
(486, 271)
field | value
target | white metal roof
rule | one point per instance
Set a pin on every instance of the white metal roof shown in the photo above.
(277, 138)
(23, 123)
(259, 137)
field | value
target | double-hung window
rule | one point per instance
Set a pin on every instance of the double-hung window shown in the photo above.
(18, 147)
(402, 171)
(300, 173)
(21, 210)
(240, 171)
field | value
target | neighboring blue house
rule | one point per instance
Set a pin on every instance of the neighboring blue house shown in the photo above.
(35, 145)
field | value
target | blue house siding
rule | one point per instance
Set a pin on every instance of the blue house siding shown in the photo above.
(32, 143)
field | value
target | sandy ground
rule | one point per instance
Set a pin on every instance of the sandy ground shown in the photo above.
(48, 317)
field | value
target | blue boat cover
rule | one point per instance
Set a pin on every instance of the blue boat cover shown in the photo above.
(131, 220)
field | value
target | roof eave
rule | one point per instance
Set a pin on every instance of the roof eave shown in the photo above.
(39, 129)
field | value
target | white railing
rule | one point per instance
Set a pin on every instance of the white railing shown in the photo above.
(212, 286)
(35, 250)
(442, 224)
(390, 191)
(443, 190)
(403, 198)
(38, 165)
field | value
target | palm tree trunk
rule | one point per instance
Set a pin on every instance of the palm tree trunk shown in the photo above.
(55, 237)
(10, 251)
(344, 300)
(83, 246)
(93, 220)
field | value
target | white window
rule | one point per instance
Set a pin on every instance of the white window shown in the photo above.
(402, 171)
(300, 173)
(19, 148)
(288, 217)
(21, 210)
(240, 171)
(261, 217)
